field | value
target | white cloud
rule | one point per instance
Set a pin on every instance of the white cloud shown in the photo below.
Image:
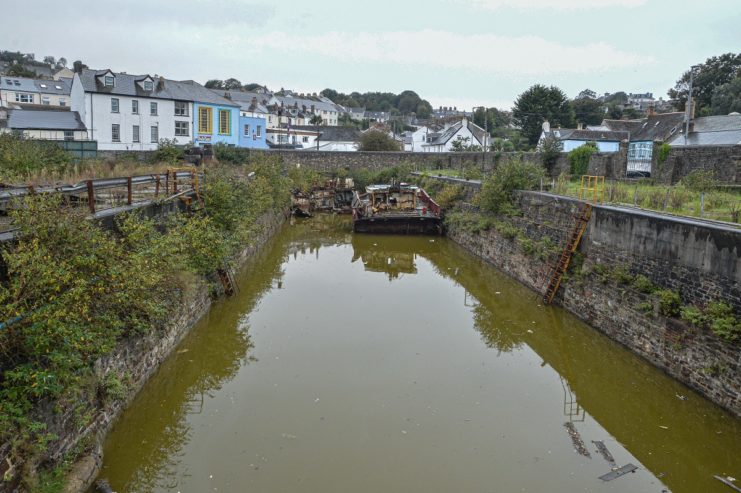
(530, 5)
(515, 57)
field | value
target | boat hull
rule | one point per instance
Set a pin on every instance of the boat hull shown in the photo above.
(412, 225)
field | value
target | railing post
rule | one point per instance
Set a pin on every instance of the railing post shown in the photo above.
(167, 182)
(157, 187)
(128, 190)
(91, 196)
(174, 182)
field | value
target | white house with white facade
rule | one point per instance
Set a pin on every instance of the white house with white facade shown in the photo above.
(17, 92)
(414, 140)
(465, 131)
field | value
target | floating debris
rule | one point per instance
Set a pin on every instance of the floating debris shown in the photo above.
(576, 440)
(602, 449)
(622, 471)
(728, 481)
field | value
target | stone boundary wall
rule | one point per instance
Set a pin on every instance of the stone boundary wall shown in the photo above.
(138, 359)
(723, 161)
(700, 260)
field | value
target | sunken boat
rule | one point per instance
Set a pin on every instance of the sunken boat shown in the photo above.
(396, 209)
(335, 195)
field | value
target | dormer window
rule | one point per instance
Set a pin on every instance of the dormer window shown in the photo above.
(108, 80)
(148, 85)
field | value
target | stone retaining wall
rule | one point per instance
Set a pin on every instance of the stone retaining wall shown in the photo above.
(701, 261)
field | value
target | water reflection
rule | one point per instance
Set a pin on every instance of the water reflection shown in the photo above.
(423, 371)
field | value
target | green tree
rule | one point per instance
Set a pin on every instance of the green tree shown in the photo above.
(538, 104)
(375, 140)
(550, 149)
(716, 71)
(214, 84)
(589, 111)
(727, 98)
(251, 86)
(18, 70)
(579, 158)
(498, 189)
(316, 120)
(232, 84)
(77, 66)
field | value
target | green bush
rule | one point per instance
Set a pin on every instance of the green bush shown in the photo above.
(721, 320)
(699, 181)
(622, 275)
(507, 230)
(663, 152)
(230, 154)
(643, 284)
(167, 152)
(497, 191)
(21, 159)
(579, 158)
(669, 302)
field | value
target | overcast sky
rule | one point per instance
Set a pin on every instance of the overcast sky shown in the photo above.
(452, 52)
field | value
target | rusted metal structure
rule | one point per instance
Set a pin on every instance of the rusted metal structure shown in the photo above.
(334, 196)
(399, 209)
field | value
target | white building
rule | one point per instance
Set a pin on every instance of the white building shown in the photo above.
(18, 91)
(43, 124)
(465, 131)
(413, 141)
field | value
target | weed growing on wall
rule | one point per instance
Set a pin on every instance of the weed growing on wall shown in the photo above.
(497, 191)
(579, 158)
(22, 158)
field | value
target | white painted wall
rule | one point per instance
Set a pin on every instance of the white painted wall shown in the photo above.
(419, 137)
(99, 120)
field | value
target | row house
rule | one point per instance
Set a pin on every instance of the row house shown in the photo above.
(18, 92)
(134, 112)
(463, 131)
(43, 124)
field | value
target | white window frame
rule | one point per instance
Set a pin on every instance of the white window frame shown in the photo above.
(115, 105)
(134, 106)
(148, 85)
(21, 97)
(153, 108)
(62, 102)
(69, 135)
(154, 134)
(109, 81)
(135, 133)
(115, 129)
(183, 108)
(246, 130)
(45, 101)
(179, 131)
(259, 130)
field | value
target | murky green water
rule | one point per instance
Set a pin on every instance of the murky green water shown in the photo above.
(383, 364)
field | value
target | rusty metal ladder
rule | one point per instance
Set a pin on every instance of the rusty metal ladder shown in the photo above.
(226, 277)
(562, 264)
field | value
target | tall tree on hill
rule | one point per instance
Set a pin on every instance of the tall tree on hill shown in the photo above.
(538, 104)
(588, 110)
(214, 84)
(232, 84)
(716, 71)
(727, 98)
(77, 66)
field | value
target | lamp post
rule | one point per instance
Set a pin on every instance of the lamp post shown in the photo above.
(486, 135)
(690, 105)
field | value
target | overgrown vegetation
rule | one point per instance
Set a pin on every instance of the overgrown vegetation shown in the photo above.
(76, 290)
(579, 158)
(21, 159)
(497, 191)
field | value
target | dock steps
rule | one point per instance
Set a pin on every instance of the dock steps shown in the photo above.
(562, 264)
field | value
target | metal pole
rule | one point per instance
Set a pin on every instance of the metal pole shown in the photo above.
(689, 106)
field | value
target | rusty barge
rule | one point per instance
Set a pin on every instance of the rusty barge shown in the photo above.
(396, 209)
(335, 195)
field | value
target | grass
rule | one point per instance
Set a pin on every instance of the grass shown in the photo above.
(718, 205)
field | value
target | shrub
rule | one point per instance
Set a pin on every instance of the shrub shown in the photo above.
(622, 275)
(699, 181)
(230, 154)
(449, 195)
(663, 152)
(375, 140)
(669, 302)
(167, 152)
(643, 284)
(20, 159)
(498, 189)
(550, 149)
(693, 315)
(720, 318)
(579, 158)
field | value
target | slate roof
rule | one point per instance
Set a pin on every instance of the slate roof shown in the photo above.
(712, 130)
(308, 102)
(661, 126)
(631, 126)
(244, 99)
(126, 85)
(589, 135)
(448, 134)
(333, 134)
(61, 87)
(44, 120)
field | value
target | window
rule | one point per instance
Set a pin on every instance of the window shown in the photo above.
(181, 129)
(45, 101)
(114, 105)
(148, 85)
(23, 98)
(181, 108)
(154, 132)
(204, 120)
(108, 80)
(116, 132)
(305, 139)
(259, 130)
(43, 86)
(225, 122)
(69, 135)
(62, 102)
(153, 108)
(135, 133)
(247, 130)
(134, 107)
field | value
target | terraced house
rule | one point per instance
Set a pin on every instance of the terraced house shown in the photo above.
(125, 112)
(19, 92)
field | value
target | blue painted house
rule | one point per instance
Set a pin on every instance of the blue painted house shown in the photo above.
(215, 122)
(252, 132)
